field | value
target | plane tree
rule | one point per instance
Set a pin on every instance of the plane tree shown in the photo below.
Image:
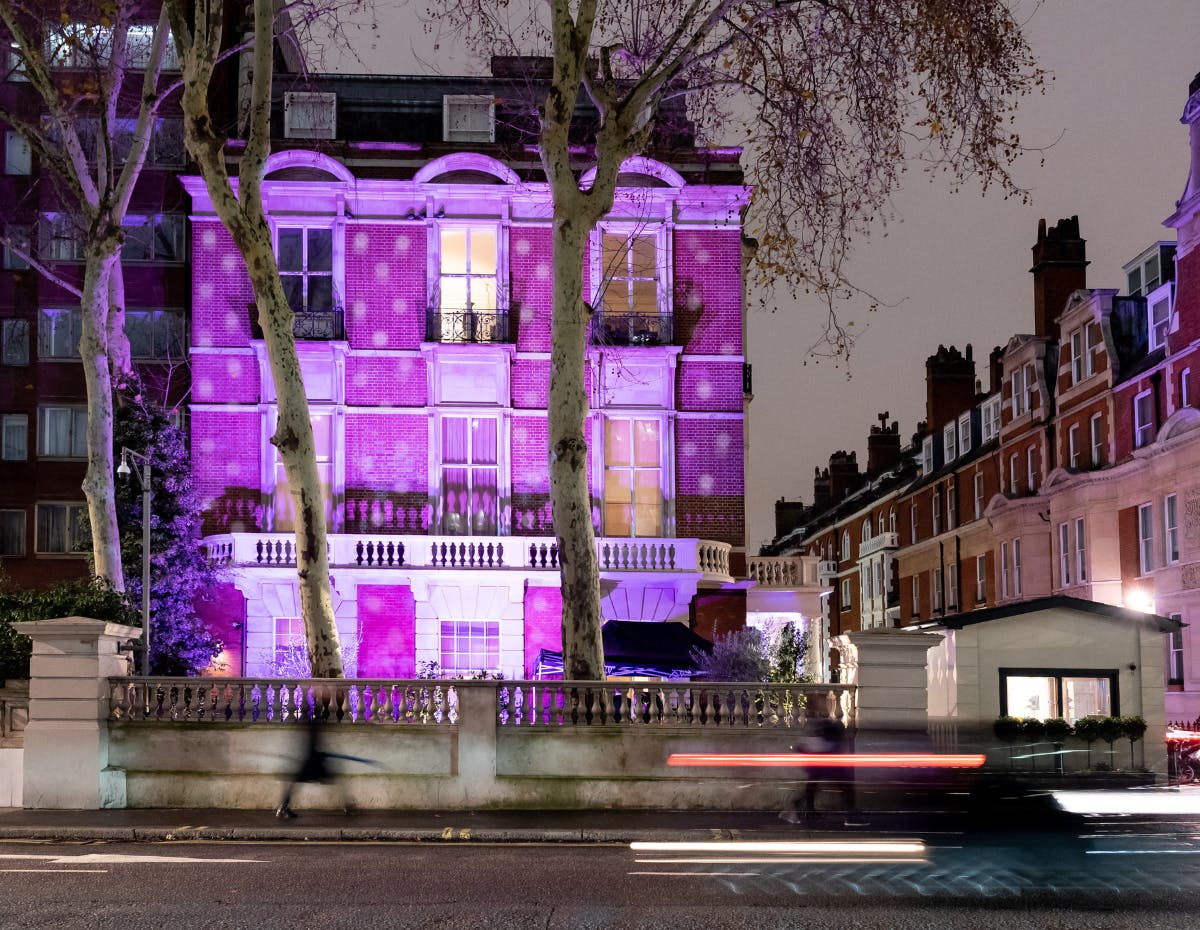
(831, 100)
(95, 68)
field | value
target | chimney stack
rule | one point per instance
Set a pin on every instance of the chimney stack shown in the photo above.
(949, 386)
(883, 447)
(1059, 269)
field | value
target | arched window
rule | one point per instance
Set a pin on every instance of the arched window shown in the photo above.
(866, 530)
(845, 544)
(881, 526)
(892, 520)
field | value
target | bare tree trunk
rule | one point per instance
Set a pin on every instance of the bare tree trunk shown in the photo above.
(119, 358)
(570, 497)
(93, 352)
(294, 440)
(199, 43)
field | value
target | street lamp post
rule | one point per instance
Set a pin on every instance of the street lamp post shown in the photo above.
(144, 479)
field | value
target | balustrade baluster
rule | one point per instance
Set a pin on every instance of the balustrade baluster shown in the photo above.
(258, 548)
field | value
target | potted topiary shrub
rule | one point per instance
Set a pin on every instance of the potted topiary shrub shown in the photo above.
(1111, 731)
(1007, 729)
(1133, 729)
(1057, 731)
(1033, 731)
(1088, 730)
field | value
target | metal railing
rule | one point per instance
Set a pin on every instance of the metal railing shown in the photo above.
(478, 326)
(327, 325)
(632, 329)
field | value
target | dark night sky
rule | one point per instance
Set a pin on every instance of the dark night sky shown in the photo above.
(954, 269)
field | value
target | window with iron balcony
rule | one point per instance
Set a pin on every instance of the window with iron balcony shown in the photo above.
(305, 254)
(630, 269)
(469, 303)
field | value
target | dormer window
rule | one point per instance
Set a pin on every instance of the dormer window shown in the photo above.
(950, 442)
(1158, 311)
(927, 456)
(468, 118)
(990, 419)
(309, 116)
(964, 433)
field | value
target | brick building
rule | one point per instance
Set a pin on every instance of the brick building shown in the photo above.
(416, 252)
(1074, 475)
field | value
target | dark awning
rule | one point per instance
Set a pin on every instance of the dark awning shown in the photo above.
(632, 647)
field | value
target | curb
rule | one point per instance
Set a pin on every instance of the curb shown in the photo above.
(446, 835)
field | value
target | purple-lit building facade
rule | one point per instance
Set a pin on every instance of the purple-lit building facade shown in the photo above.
(416, 250)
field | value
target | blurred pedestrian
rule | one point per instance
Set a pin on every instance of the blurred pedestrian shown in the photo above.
(313, 767)
(826, 737)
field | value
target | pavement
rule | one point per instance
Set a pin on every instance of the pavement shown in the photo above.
(506, 826)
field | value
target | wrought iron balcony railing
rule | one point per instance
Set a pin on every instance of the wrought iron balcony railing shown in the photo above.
(467, 326)
(632, 329)
(327, 325)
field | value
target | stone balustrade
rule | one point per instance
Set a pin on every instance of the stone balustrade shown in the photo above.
(436, 702)
(367, 550)
(783, 571)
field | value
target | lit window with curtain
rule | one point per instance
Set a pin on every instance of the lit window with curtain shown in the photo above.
(628, 283)
(633, 496)
(470, 476)
(12, 532)
(62, 432)
(62, 529)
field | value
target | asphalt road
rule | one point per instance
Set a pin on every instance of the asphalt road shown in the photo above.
(1116, 873)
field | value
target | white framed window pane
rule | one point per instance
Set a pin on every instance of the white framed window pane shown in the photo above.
(320, 250)
(618, 442)
(483, 251)
(454, 251)
(290, 250)
(1032, 696)
(18, 158)
(469, 646)
(1080, 551)
(1145, 539)
(454, 294)
(648, 502)
(14, 342)
(60, 528)
(1086, 697)
(20, 237)
(12, 532)
(16, 437)
(1171, 527)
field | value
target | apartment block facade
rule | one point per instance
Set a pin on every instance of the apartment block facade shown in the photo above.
(1075, 474)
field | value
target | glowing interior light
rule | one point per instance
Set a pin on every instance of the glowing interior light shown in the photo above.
(1140, 600)
(879, 760)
